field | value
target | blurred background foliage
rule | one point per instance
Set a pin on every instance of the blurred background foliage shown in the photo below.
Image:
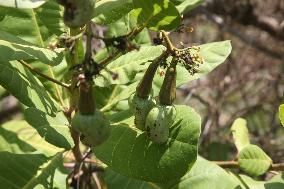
(249, 85)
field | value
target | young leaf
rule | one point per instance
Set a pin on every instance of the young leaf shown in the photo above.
(22, 4)
(54, 130)
(25, 87)
(19, 137)
(114, 180)
(156, 14)
(204, 175)
(281, 113)
(130, 152)
(240, 133)
(109, 11)
(14, 48)
(29, 171)
(253, 160)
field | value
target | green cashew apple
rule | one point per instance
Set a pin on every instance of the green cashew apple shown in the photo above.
(78, 12)
(95, 129)
(141, 108)
(158, 122)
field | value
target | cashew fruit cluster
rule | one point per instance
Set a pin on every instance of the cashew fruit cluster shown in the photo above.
(77, 12)
(158, 123)
(94, 129)
(141, 108)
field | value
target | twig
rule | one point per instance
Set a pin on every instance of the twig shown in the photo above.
(168, 42)
(43, 75)
(235, 165)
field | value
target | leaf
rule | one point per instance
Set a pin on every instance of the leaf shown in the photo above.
(129, 152)
(109, 11)
(281, 113)
(54, 130)
(25, 87)
(204, 175)
(240, 133)
(188, 5)
(276, 182)
(253, 160)
(23, 4)
(128, 65)
(27, 171)
(213, 54)
(19, 137)
(37, 26)
(156, 14)
(14, 48)
(114, 180)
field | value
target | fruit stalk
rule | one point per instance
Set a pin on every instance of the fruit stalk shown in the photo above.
(145, 86)
(167, 93)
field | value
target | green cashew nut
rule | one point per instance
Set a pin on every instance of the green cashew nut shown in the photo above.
(141, 108)
(158, 122)
(95, 128)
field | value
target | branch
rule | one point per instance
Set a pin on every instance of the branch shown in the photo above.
(235, 165)
(43, 75)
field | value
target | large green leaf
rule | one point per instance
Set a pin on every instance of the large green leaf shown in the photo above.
(18, 136)
(14, 48)
(281, 113)
(204, 175)
(25, 87)
(37, 26)
(114, 180)
(109, 11)
(128, 65)
(54, 130)
(213, 53)
(156, 14)
(24, 4)
(253, 160)
(240, 133)
(30, 171)
(129, 151)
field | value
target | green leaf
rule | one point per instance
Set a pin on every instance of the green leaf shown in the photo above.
(25, 87)
(128, 65)
(281, 113)
(19, 137)
(240, 133)
(114, 180)
(253, 160)
(213, 54)
(23, 4)
(187, 5)
(276, 182)
(37, 26)
(109, 11)
(156, 14)
(129, 151)
(54, 130)
(14, 48)
(28, 171)
(204, 175)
